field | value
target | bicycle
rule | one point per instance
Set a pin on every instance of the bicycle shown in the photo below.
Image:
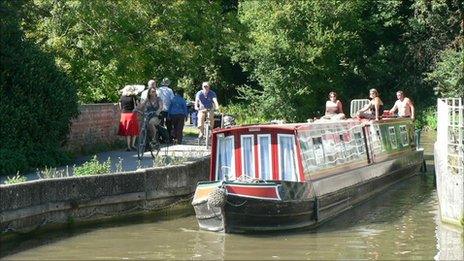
(154, 146)
(207, 128)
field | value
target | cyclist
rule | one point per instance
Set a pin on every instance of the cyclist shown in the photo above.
(205, 100)
(151, 84)
(152, 106)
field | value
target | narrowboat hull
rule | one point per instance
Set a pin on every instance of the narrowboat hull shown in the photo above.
(236, 207)
(256, 208)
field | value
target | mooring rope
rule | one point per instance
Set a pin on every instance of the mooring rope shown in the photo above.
(217, 197)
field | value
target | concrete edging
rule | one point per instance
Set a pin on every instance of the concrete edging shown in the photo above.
(27, 206)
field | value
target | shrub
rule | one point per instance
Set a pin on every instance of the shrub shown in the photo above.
(15, 179)
(244, 114)
(93, 167)
(448, 73)
(427, 119)
(37, 100)
(52, 173)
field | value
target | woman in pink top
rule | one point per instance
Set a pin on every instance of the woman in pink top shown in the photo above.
(333, 108)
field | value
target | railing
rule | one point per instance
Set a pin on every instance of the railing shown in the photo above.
(356, 105)
(453, 120)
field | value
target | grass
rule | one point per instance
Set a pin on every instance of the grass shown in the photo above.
(15, 179)
(191, 131)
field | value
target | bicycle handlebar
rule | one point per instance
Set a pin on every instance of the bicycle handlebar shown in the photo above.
(147, 114)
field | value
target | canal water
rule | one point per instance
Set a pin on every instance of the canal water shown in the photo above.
(401, 223)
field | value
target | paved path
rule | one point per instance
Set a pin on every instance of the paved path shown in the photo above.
(128, 159)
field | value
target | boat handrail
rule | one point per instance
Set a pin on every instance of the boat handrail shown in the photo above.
(356, 105)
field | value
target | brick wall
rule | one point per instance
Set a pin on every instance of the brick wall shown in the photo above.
(96, 125)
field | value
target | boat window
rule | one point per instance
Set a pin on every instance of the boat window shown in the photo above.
(393, 141)
(225, 158)
(330, 150)
(309, 160)
(264, 155)
(341, 149)
(325, 148)
(404, 135)
(318, 151)
(376, 136)
(287, 157)
(350, 146)
(248, 162)
(359, 142)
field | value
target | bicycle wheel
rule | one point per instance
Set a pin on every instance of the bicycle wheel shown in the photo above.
(141, 142)
(155, 146)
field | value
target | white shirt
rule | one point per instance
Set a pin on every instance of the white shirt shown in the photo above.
(166, 95)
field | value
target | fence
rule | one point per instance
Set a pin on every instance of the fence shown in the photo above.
(449, 159)
(450, 133)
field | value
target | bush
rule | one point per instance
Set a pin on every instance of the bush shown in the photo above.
(244, 114)
(93, 167)
(15, 179)
(427, 119)
(37, 101)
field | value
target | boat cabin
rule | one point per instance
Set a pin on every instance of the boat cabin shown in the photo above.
(306, 151)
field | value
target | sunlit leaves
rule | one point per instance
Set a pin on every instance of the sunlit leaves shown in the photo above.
(104, 45)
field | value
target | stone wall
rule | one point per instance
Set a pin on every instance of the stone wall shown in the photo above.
(96, 125)
(42, 203)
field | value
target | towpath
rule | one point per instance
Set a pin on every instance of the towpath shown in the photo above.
(128, 160)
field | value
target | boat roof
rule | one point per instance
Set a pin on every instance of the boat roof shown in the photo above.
(294, 126)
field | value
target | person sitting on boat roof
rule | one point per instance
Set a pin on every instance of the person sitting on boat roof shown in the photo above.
(404, 106)
(374, 109)
(333, 108)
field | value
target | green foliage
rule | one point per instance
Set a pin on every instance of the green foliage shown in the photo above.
(427, 118)
(300, 51)
(265, 59)
(244, 114)
(37, 100)
(448, 74)
(51, 173)
(104, 45)
(15, 179)
(434, 31)
(93, 167)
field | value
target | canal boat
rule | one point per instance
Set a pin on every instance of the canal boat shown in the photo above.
(286, 176)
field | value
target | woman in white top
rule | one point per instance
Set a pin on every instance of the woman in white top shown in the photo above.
(333, 108)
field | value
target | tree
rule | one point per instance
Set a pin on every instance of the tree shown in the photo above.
(300, 51)
(37, 100)
(436, 42)
(104, 45)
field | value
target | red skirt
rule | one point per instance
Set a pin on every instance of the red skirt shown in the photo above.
(129, 124)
